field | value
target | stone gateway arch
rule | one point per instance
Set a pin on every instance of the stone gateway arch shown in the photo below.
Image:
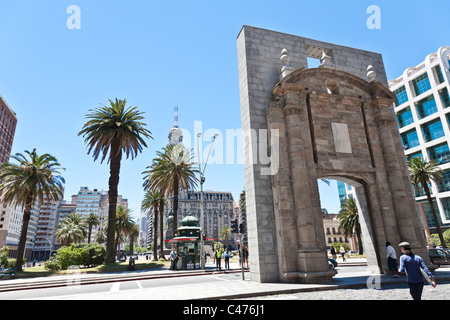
(334, 121)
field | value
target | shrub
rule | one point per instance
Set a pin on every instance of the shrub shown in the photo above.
(83, 254)
(52, 265)
(4, 261)
(94, 254)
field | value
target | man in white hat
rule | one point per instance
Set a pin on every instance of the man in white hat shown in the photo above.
(411, 264)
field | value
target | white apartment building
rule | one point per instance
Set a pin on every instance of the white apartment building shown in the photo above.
(11, 218)
(422, 108)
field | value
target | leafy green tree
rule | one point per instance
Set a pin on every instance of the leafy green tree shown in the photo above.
(349, 221)
(421, 174)
(434, 239)
(114, 130)
(34, 178)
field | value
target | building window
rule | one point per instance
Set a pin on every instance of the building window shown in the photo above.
(404, 117)
(414, 155)
(440, 153)
(444, 185)
(421, 84)
(445, 97)
(440, 76)
(400, 96)
(446, 205)
(429, 215)
(426, 107)
(433, 130)
(410, 139)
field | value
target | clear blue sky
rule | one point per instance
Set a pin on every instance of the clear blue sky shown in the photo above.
(161, 54)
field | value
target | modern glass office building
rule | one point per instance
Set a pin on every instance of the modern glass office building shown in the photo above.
(422, 108)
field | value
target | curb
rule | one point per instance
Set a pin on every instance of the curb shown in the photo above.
(105, 279)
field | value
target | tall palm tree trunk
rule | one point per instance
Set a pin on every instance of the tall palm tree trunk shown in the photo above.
(176, 189)
(116, 156)
(89, 235)
(433, 212)
(155, 234)
(161, 228)
(23, 234)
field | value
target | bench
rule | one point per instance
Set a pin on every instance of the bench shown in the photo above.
(11, 272)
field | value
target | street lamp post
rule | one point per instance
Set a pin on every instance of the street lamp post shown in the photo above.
(202, 180)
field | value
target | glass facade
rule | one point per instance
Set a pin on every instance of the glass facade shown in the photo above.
(440, 76)
(446, 204)
(445, 97)
(414, 155)
(444, 185)
(410, 139)
(404, 117)
(433, 130)
(440, 153)
(342, 192)
(428, 214)
(400, 96)
(426, 107)
(421, 84)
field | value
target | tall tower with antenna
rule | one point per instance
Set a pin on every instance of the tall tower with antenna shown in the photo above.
(175, 134)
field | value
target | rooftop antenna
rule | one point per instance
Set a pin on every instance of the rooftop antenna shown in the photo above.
(175, 116)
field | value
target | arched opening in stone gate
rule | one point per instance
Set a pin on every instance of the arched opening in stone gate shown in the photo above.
(340, 188)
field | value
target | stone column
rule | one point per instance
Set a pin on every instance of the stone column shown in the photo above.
(406, 217)
(285, 219)
(312, 261)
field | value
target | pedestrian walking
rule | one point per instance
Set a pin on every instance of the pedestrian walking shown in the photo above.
(392, 260)
(333, 253)
(342, 251)
(412, 265)
(173, 259)
(227, 256)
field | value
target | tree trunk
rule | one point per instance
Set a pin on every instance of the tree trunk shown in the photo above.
(161, 228)
(426, 228)
(23, 234)
(131, 245)
(436, 221)
(155, 233)
(115, 157)
(176, 189)
(90, 232)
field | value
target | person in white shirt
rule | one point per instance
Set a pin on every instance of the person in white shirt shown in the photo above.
(392, 260)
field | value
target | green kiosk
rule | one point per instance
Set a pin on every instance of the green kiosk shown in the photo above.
(187, 244)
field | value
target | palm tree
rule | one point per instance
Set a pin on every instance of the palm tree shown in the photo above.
(133, 233)
(349, 221)
(123, 224)
(114, 129)
(171, 171)
(34, 178)
(152, 202)
(225, 234)
(72, 229)
(92, 220)
(421, 174)
(101, 237)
